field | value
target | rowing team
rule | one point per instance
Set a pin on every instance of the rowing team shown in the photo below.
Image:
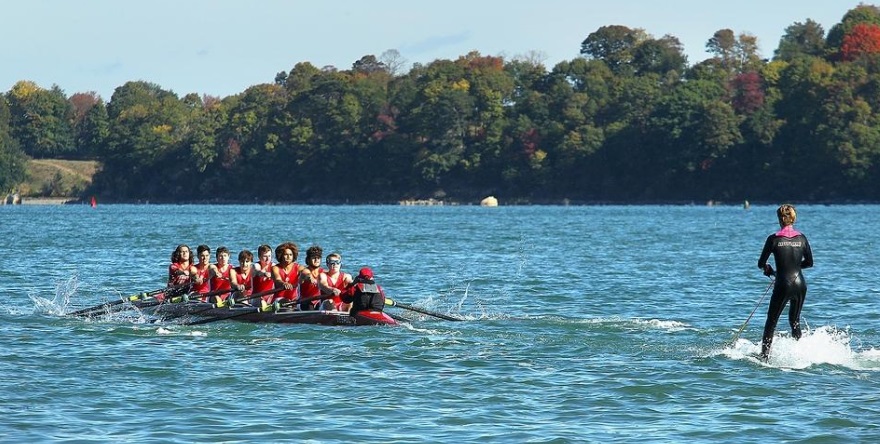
(307, 287)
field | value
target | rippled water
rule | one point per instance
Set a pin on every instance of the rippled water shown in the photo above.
(606, 323)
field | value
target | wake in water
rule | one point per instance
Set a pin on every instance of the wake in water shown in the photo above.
(824, 345)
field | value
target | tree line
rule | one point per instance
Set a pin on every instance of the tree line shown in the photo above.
(630, 120)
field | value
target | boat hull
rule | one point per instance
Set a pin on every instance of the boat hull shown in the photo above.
(204, 310)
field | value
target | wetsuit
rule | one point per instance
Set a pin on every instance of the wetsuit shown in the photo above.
(791, 252)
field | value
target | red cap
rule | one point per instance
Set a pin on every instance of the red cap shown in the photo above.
(366, 273)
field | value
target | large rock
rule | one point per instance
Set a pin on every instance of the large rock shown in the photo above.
(489, 201)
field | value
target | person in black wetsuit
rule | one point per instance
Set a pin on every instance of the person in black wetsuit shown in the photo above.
(791, 252)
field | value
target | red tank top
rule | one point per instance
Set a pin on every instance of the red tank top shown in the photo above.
(290, 277)
(338, 283)
(310, 289)
(175, 279)
(245, 279)
(222, 281)
(264, 283)
(205, 286)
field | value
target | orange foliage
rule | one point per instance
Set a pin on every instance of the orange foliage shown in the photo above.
(863, 39)
(82, 103)
(473, 60)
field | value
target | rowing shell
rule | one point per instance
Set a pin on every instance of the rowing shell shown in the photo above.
(283, 316)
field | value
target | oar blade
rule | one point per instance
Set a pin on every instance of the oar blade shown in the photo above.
(393, 303)
(107, 306)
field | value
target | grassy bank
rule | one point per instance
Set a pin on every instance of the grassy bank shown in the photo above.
(57, 178)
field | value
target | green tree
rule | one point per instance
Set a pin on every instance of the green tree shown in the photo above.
(736, 54)
(799, 164)
(147, 124)
(614, 45)
(691, 128)
(801, 39)
(12, 160)
(660, 56)
(41, 120)
(90, 123)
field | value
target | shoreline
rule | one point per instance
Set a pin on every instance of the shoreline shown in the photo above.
(74, 200)
(48, 200)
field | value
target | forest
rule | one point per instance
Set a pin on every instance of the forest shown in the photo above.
(628, 121)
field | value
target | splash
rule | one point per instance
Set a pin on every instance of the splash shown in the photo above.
(826, 345)
(660, 324)
(58, 303)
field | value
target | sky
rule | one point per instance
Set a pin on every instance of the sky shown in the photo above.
(222, 47)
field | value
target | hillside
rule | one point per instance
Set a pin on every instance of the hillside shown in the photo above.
(58, 178)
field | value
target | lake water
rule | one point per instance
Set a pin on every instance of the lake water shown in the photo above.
(583, 324)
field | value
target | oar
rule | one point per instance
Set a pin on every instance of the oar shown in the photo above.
(253, 296)
(256, 310)
(736, 336)
(133, 298)
(185, 298)
(393, 303)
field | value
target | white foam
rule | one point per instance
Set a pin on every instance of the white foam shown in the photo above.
(826, 345)
(663, 325)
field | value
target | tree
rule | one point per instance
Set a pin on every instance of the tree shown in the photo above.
(147, 125)
(368, 64)
(12, 160)
(393, 61)
(863, 13)
(748, 95)
(613, 45)
(801, 39)
(862, 41)
(691, 128)
(90, 124)
(660, 56)
(736, 54)
(41, 120)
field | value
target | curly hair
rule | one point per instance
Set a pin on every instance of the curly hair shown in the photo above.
(175, 256)
(279, 250)
(314, 251)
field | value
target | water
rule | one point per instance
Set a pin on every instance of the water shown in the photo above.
(583, 324)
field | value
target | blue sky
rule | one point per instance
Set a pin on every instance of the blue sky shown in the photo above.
(221, 47)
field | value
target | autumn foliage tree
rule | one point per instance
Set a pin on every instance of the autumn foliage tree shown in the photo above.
(863, 40)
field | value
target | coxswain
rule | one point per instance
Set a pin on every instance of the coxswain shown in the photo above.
(364, 294)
